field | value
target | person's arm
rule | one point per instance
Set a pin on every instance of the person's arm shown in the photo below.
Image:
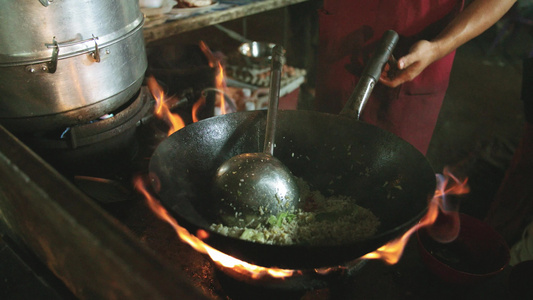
(471, 22)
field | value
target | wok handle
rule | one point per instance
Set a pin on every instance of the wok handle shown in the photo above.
(275, 85)
(357, 101)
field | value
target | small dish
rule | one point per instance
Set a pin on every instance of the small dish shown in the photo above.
(187, 10)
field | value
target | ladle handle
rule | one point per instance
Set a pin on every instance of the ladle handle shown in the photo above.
(357, 101)
(275, 85)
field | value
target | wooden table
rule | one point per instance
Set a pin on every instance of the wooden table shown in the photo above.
(226, 10)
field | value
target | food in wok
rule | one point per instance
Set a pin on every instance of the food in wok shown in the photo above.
(319, 220)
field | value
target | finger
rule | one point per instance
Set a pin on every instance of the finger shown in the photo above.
(399, 79)
(403, 62)
(390, 82)
(408, 60)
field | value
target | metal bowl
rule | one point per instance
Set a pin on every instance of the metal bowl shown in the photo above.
(257, 53)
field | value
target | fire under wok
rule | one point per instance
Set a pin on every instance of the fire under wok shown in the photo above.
(335, 154)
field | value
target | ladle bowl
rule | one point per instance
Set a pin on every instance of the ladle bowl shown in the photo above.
(256, 184)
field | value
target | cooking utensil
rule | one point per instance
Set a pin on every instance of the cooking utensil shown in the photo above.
(257, 184)
(70, 63)
(334, 154)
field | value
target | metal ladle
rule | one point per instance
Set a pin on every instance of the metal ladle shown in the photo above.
(252, 186)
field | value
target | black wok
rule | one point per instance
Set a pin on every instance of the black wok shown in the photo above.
(334, 154)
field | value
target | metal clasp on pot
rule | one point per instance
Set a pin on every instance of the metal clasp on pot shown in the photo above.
(47, 67)
(52, 65)
(96, 53)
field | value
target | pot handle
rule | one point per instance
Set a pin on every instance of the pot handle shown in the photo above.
(76, 48)
(357, 101)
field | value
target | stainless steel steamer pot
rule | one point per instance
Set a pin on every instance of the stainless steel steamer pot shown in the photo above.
(66, 62)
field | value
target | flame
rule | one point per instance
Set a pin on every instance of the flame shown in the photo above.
(211, 59)
(174, 121)
(220, 87)
(220, 83)
(196, 243)
(392, 251)
(196, 106)
(220, 80)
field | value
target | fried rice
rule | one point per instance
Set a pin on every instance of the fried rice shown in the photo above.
(319, 220)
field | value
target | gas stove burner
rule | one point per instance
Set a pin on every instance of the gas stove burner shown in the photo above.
(97, 145)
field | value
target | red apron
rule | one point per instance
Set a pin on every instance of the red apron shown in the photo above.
(349, 30)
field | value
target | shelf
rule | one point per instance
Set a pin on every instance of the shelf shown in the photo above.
(225, 10)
